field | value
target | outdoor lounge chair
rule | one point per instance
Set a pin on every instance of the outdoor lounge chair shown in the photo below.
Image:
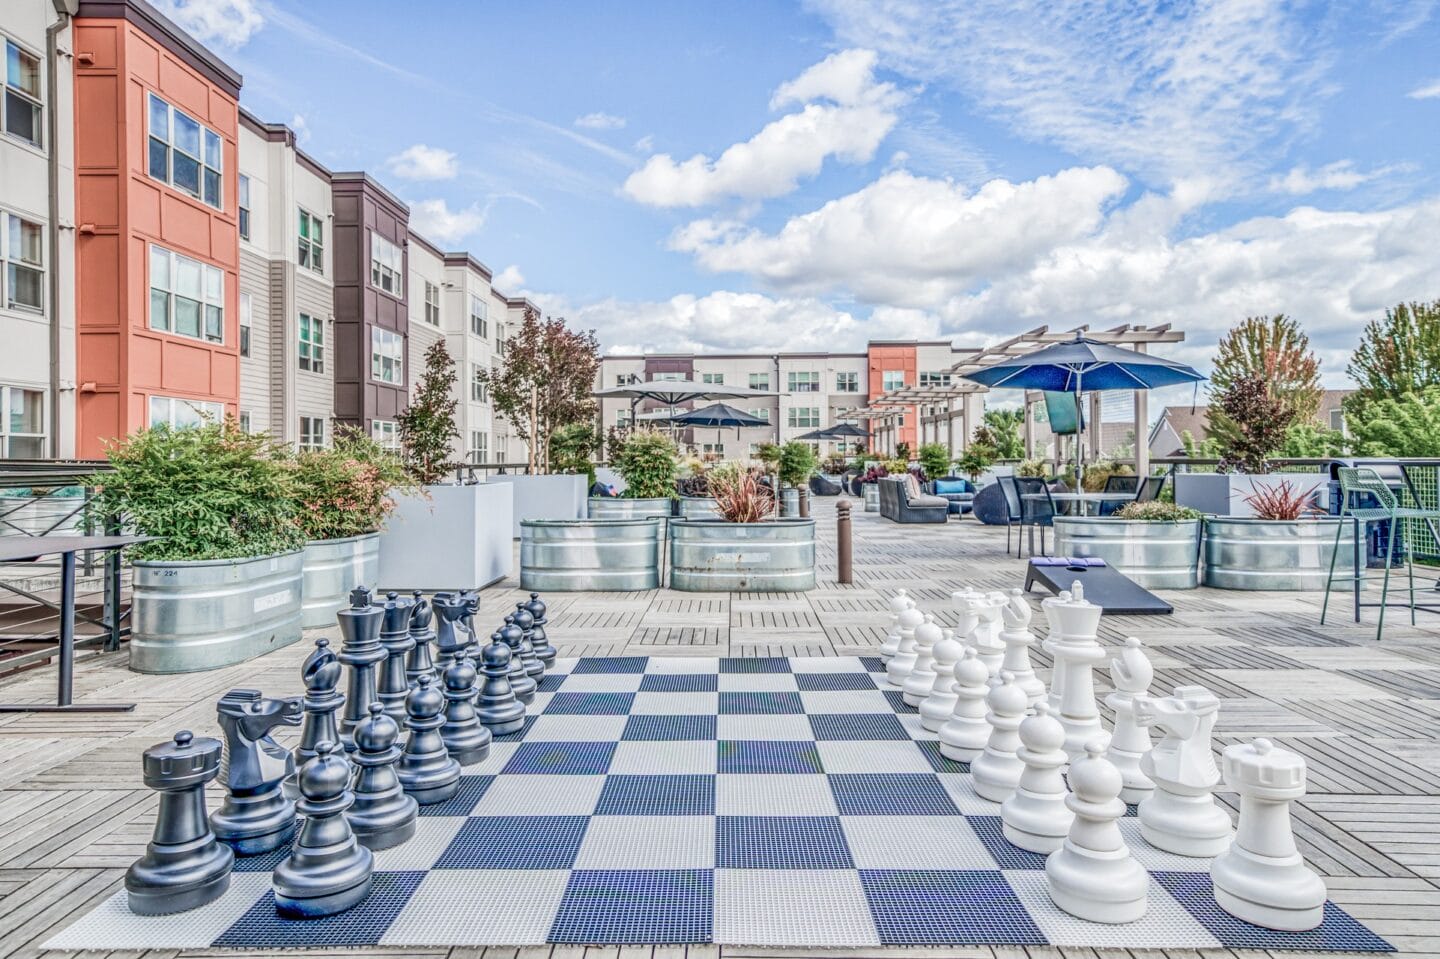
(824, 486)
(958, 492)
(899, 505)
(1037, 509)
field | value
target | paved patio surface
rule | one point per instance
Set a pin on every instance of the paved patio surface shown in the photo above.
(1366, 716)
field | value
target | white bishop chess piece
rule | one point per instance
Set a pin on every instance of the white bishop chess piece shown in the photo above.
(1018, 639)
(1076, 652)
(996, 771)
(964, 735)
(922, 675)
(1036, 817)
(1181, 815)
(987, 634)
(940, 704)
(1130, 674)
(1263, 879)
(1048, 606)
(899, 666)
(1092, 875)
(900, 602)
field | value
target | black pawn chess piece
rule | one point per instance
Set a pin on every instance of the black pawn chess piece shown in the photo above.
(184, 867)
(449, 641)
(539, 640)
(465, 739)
(383, 815)
(328, 871)
(419, 662)
(425, 768)
(393, 685)
(520, 682)
(256, 816)
(526, 623)
(496, 706)
(360, 650)
(321, 673)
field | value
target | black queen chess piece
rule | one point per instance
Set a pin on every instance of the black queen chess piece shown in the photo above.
(465, 739)
(360, 651)
(393, 685)
(419, 660)
(520, 682)
(383, 815)
(496, 706)
(539, 639)
(328, 870)
(425, 768)
(526, 624)
(184, 866)
(256, 816)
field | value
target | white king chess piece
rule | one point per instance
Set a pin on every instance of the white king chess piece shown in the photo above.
(1076, 653)
(1262, 879)
(1018, 639)
(900, 602)
(1181, 815)
(987, 634)
(965, 733)
(900, 664)
(1130, 674)
(1048, 606)
(1036, 817)
(922, 674)
(940, 704)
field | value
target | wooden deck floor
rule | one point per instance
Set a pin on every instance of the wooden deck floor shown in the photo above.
(1366, 715)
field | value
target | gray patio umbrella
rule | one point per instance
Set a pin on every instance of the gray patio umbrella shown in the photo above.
(719, 416)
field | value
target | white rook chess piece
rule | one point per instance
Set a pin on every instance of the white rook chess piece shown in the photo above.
(996, 771)
(1181, 815)
(1130, 674)
(1262, 879)
(1018, 639)
(1092, 875)
(899, 666)
(964, 735)
(1036, 817)
(1076, 653)
(987, 634)
(922, 674)
(1052, 636)
(940, 704)
(898, 604)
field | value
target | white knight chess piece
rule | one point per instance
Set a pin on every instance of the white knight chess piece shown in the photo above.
(1018, 639)
(1130, 674)
(987, 634)
(1181, 815)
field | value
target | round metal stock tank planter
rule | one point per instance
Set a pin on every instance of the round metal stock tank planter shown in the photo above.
(699, 507)
(713, 556)
(603, 555)
(201, 615)
(333, 567)
(871, 492)
(1156, 555)
(1274, 554)
(618, 507)
(789, 502)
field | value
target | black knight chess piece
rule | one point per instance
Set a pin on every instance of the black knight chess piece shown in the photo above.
(419, 660)
(520, 682)
(465, 739)
(526, 624)
(256, 816)
(496, 706)
(425, 768)
(472, 635)
(383, 815)
(328, 871)
(449, 638)
(360, 651)
(395, 637)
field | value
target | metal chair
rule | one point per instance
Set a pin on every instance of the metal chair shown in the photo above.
(1037, 509)
(1150, 487)
(1117, 484)
(1012, 508)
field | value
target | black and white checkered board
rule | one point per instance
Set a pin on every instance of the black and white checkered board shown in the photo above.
(684, 800)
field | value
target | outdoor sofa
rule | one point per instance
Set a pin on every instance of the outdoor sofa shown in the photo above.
(902, 502)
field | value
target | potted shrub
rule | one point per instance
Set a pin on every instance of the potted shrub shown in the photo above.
(222, 583)
(1098, 474)
(747, 548)
(1285, 545)
(977, 458)
(1155, 544)
(1035, 469)
(870, 487)
(648, 463)
(934, 460)
(694, 490)
(797, 462)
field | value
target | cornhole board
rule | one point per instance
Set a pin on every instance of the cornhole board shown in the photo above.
(1106, 587)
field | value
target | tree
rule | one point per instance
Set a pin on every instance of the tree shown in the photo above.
(1399, 354)
(427, 426)
(1404, 425)
(1002, 431)
(1257, 421)
(1312, 441)
(570, 448)
(1276, 348)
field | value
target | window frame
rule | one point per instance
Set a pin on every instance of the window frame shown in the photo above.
(316, 344)
(764, 381)
(761, 413)
(34, 100)
(432, 303)
(9, 265)
(206, 302)
(242, 206)
(309, 250)
(802, 381)
(479, 322)
(202, 161)
(477, 388)
(935, 378)
(386, 433)
(201, 408)
(381, 271)
(387, 345)
(810, 422)
(481, 449)
(305, 439)
(713, 379)
(847, 381)
(886, 379)
(7, 392)
(246, 309)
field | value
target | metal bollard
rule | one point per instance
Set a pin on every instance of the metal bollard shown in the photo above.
(842, 541)
(804, 499)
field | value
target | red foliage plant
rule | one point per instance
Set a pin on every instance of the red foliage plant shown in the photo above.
(739, 495)
(1282, 501)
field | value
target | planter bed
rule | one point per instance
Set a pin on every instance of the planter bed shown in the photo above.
(557, 496)
(708, 555)
(1274, 554)
(603, 555)
(333, 567)
(1155, 554)
(697, 507)
(455, 537)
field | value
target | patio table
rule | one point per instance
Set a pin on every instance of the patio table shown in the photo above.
(1085, 500)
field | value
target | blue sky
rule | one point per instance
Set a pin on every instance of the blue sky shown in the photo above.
(809, 175)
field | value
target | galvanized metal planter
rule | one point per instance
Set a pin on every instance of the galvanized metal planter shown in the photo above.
(1274, 554)
(701, 507)
(618, 507)
(872, 496)
(201, 615)
(789, 502)
(708, 555)
(604, 555)
(1157, 555)
(333, 567)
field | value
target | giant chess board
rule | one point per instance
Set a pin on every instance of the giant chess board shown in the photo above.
(779, 802)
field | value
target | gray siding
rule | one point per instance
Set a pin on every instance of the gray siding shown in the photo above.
(314, 392)
(256, 388)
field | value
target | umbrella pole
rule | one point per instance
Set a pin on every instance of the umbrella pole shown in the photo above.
(1079, 429)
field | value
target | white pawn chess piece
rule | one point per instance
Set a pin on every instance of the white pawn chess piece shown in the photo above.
(987, 634)
(996, 771)
(1036, 817)
(900, 602)
(1052, 636)
(922, 675)
(1018, 639)
(899, 666)
(965, 733)
(1263, 879)
(1076, 654)
(1130, 674)
(1092, 875)
(940, 704)
(1181, 815)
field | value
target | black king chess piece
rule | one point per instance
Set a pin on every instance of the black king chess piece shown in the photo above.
(465, 739)
(327, 871)
(496, 707)
(184, 866)
(383, 815)
(425, 768)
(360, 650)
(256, 816)
(526, 624)
(418, 660)
(520, 682)
(539, 640)
(395, 637)
(449, 641)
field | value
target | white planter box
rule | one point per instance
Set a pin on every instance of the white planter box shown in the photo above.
(457, 538)
(545, 497)
(1223, 494)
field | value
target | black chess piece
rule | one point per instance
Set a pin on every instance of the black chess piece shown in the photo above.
(393, 685)
(449, 641)
(520, 682)
(419, 661)
(383, 815)
(496, 706)
(328, 871)
(465, 739)
(321, 673)
(539, 639)
(472, 641)
(184, 867)
(526, 623)
(360, 650)
(256, 817)
(425, 768)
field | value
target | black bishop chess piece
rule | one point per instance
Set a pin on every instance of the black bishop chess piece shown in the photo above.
(328, 871)
(321, 674)
(449, 639)
(383, 815)
(256, 816)
(419, 660)
(526, 624)
(465, 739)
(360, 651)
(539, 640)
(395, 638)
(520, 682)
(496, 707)
(425, 768)
(184, 866)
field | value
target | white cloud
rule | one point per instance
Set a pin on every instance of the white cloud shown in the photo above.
(645, 144)
(434, 220)
(600, 121)
(1340, 175)
(509, 280)
(227, 22)
(1429, 91)
(301, 128)
(421, 162)
(855, 116)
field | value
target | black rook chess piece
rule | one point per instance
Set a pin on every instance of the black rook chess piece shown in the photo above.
(256, 816)
(383, 816)
(425, 768)
(539, 640)
(419, 661)
(360, 650)
(465, 739)
(526, 623)
(449, 610)
(496, 707)
(328, 871)
(396, 640)
(520, 682)
(321, 673)
(183, 866)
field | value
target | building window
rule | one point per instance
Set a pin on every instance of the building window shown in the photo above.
(847, 382)
(310, 242)
(1337, 420)
(244, 207)
(892, 380)
(499, 449)
(187, 297)
(754, 449)
(666, 377)
(182, 414)
(626, 379)
(432, 303)
(244, 421)
(803, 382)
(718, 379)
(478, 324)
(500, 339)
(761, 413)
(21, 106)
(21, 252)
(22, 423)
(245, 308)
(312, 433)
(184, 153)
(387, 356)
(803, 416)
(312, 343)
(386, 433)
(713, 449)
(387, 265)
(760, 381)
(479, 446)
(622, 418)
(477, 383)
(934, 379)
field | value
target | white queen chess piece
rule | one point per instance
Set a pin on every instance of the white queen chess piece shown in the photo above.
(1018, 639)
(1263, 879)
(1130, 674)
(940, 704)
(922, 675)
(1036, 817)
(1048, 606)
(1181, 815)
(964, 735)
(1076, 652)
(996, 771)
(899, 666)
(900, 602)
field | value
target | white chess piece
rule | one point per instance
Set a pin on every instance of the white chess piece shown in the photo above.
(1052, 636)
(900, 602)
(900, 664)
(963, 736)
(1092, 875)
(996, 771)
(922, 673)
(987, 634)
(1263, 879)
(940, 704)
(1181, 815)
(1130, 674)
(1076, 653)
(1018, 639)
(1036, 817)
(968, 617)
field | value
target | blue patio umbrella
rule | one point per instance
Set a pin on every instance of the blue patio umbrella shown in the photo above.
(718, 416)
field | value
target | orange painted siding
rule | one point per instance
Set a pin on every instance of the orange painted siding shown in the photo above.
(896, 357)
(121, 211)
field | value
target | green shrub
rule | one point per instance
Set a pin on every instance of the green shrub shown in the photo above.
(797, 462)
(977, 458)
(1035, 469)
(649, 464)
(570, 448)
(1157, 511)
(344, 490)
(934, 460)
(1098, 472)
(769, 455)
